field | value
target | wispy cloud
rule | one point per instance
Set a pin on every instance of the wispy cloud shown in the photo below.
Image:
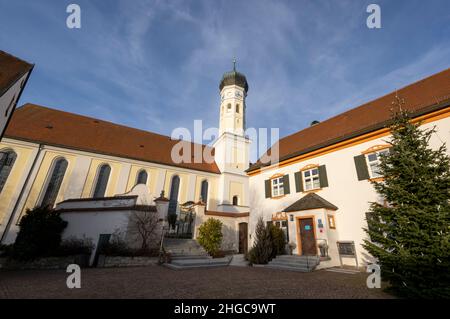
(156, 65)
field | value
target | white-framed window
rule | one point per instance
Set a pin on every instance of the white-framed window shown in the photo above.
(373, 162)
(311, 179)
(277, 186)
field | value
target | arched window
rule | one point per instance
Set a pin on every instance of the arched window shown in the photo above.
(7, 159)
(102, 181)
(237, 108)
(54, 183)
(142, 177)
(235, 200)
(229, 107)
(204, 191)
(173, 200)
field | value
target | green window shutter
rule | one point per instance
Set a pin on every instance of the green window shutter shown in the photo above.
(286, 186)
(361, 167)
(323, 178)
(299, 182)
(268, 188)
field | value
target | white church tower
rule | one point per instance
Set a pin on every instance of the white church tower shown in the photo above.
(232, 146)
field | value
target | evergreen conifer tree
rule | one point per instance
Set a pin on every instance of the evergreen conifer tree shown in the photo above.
(410, 234)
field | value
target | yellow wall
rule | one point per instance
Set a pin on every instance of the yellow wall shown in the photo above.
(25, 156)
(92, 177)
(11, 189)
(212, 190)
(41, 178)
(237, 189)
(182, 193)
(151, 180)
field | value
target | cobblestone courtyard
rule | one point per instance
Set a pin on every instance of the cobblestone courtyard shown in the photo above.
(160, 282)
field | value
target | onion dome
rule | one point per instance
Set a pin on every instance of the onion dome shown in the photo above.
(234, 78)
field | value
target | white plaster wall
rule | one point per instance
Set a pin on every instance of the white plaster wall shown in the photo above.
(6, 98)
(78, 177)
(91, 225)
(351, 196)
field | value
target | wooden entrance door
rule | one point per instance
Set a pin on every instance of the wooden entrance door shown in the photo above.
(307, 237)
(243, 238)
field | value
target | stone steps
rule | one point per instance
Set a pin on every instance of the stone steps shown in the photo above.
(188, 254)
(239, 260)
(183, 247)
(185, 257)
(294, 263)
(182, 264)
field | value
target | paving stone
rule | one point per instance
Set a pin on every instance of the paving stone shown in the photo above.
(160, 282)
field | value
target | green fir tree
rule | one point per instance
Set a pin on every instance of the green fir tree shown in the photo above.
(409, 235)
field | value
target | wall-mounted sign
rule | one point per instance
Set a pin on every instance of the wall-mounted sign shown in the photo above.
(347, 249)
(319, 223)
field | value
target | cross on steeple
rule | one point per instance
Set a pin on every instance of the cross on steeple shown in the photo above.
(234, 64)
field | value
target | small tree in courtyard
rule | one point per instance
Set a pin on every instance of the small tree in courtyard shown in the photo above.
(210, 235)
(278, 240)
(261, 252)
(39, 235)
(410, 235)
(144, 225)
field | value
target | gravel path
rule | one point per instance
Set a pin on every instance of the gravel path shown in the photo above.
(160, 282)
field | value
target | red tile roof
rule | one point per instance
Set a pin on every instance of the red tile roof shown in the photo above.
(11, 70)
(421, 97)
(47, 126)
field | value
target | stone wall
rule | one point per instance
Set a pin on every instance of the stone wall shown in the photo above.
(117, 261)
(42, 263)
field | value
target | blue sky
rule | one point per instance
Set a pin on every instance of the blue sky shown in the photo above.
(156, 65)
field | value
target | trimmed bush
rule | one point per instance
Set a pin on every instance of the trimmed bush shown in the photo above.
(210, 235)
(39, 234)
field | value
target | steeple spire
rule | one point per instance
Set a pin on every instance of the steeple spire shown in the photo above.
(234, 64)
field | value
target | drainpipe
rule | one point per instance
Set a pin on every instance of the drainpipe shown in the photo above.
(19, 199)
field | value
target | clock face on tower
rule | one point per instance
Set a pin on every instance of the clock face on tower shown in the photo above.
(238, 94)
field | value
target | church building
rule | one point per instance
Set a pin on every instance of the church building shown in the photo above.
(58, 156)
(317, 192)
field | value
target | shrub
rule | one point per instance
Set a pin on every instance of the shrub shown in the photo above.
(39, 234)
(75, 246)
(210, 235)
(118, 247)
(261, 252)
(5, 250)
(278, 241)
